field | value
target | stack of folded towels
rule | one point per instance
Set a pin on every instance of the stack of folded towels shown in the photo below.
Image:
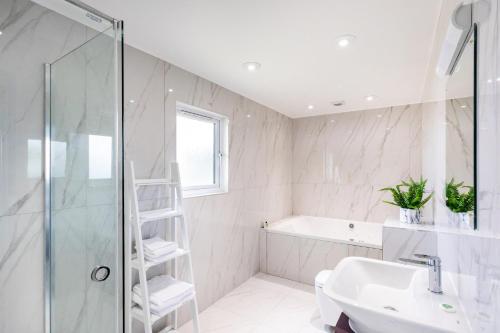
(157, 249)
(165, 294)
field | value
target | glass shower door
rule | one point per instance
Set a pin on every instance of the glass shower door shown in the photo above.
(84, 180)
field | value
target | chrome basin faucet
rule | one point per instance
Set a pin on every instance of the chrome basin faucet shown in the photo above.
(434, 265)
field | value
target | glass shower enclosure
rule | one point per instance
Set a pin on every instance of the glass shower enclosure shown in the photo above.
(83, 186)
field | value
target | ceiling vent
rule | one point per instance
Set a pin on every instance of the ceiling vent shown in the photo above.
(338, 103)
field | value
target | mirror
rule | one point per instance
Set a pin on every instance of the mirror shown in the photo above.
(460, 137)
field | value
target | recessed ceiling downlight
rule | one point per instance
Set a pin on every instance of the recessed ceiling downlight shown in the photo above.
(251, 66)
(370, 98)
(345, 40)
(310, 107)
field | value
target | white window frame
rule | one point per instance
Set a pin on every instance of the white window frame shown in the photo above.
(221, 124)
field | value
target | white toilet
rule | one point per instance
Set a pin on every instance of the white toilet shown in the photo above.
(329, 310)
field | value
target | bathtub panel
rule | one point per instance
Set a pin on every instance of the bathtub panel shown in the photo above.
(367, 252)
(317, 255)
(283, 256)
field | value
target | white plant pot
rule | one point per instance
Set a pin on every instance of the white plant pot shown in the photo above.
(410, 216)
(460, 220)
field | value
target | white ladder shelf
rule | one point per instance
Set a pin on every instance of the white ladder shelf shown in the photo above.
(174, 216)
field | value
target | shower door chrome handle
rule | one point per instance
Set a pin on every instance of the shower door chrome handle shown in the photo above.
(100, 273)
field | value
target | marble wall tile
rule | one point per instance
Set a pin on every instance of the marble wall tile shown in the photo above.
(460, 140)
(224, 228)
(144, 113)
(309, 199)
(144, 121)
(433, 161)
(404, 243)
(69, 250)
(21, 273)
(309, 150)
(341, 161)
(358, 202)
(32, 36)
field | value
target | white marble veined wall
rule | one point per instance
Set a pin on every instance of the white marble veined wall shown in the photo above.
(32, 36)
(401, 242)
(341, 161)
(224, 228)
(474, 256)
(460, 140)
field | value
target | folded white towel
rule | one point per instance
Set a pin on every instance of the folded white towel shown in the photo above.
(167, 307)
(165, 290)
(158, 259)
(156, 247)
(161, 252)
(157, 244)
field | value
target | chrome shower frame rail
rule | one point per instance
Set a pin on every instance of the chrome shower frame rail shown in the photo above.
(47, 195)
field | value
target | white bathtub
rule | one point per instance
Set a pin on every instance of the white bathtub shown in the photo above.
(299, 247)
(343, 231)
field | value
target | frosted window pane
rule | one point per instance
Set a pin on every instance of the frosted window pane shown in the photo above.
(100, 157)
(195, 151)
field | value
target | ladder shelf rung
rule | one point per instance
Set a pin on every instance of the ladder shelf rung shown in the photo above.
(153, 182)
(148, 264)
(158, 214)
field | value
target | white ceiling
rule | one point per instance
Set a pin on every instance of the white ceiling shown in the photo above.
(295, 41)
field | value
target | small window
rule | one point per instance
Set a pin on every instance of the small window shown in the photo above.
(201, 151)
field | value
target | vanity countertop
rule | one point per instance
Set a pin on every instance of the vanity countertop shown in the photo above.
(395, 223)
(449, 229)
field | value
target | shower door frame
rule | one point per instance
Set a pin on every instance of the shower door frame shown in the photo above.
(119, 170)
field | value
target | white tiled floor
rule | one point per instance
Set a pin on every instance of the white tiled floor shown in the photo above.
(263, 304)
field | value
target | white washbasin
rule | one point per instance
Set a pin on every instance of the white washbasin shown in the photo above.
(386, 297)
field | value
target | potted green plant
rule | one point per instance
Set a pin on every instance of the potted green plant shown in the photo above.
(459, 202)
(409, 197)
